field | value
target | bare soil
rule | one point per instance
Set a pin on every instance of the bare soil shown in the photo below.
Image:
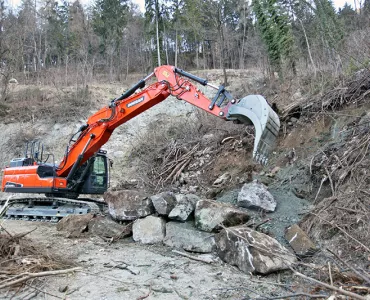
(155, 270)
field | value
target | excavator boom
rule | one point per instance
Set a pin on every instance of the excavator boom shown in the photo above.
(172, 81)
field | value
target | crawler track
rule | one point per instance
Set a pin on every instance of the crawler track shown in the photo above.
(49, 209)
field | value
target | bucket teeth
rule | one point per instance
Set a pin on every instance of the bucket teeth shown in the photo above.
(255, 110)
(260, 158)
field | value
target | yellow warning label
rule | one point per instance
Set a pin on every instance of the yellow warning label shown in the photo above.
(166, 74)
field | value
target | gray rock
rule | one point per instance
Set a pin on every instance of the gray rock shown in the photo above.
(105, 227)
(256, 195)
(191, 197)
(230, 197)
(210, 214)
(184, 207)
(127, 205)
(164, 203)
(187, 237)
(252, 251)
(149, 230)
(118, 154)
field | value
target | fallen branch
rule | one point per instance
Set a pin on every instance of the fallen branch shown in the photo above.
(261, 223)
(23, 234)
(146, 295)
(298, 295)
(331, 182)
(7, 232)
(177, 175)
(108, 277)
(27, 276)
(328, 286)
(271, 283)
(192, 257)
(363, 276)
(228, 139)
(342, 230)
(43, 291)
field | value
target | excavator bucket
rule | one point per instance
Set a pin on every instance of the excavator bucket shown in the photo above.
(254, 110)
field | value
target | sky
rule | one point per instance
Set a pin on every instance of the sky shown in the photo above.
(141, 3)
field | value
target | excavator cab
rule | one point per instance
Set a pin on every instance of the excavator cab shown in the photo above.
(97, 181)
(34, 174)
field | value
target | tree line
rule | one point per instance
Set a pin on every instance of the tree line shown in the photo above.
(113, 38)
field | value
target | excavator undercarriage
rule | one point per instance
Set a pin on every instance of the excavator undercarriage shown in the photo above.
(84, 168)
(48, 209)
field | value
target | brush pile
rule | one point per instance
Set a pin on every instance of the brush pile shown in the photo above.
(179, 152)
(22, 263)
(354, 89)
(343, 167)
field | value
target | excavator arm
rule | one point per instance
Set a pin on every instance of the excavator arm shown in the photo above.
(171, 81)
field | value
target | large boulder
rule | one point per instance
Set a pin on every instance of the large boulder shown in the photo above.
(209, 215)
(187, 237)
(107, 228)
(127, 205)
(74, 226)
(184, 207)
(164, 203)
(252, 251)
(256, 195)
(149, 230)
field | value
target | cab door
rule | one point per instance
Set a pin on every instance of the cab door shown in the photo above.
(97, 182)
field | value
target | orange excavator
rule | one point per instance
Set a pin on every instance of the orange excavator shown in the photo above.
(84, 168)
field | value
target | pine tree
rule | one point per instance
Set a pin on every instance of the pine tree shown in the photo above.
(347, 16)
(276, 32)
(109, 20)
(328, 24)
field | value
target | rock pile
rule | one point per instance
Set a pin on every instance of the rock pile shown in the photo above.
(75, 226)
(186, 222)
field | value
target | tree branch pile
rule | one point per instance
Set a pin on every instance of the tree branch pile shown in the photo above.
(22, 261)
(344, 168)
(352, 90)
(355, 89)
(174, 153)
